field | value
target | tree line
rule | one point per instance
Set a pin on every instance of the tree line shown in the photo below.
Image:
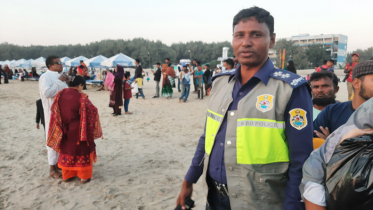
(149, 52)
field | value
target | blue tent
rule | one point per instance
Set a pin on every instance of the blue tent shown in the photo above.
(64, 59)
(26, 63)
(75, 61)
(95, 62)
(119, 59)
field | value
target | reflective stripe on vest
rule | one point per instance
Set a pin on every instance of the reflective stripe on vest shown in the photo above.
(212, 125)
(261, 141)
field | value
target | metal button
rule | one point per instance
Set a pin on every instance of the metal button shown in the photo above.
(221, 144)
(241, 93)
(223, 110)
(229, 142)
(230, 168)
(232, 113)
(234, 195)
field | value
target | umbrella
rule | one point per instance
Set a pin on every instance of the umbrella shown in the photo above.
(95, 62)
(39, 62)
(119, 59)
(75, 61)
(64, 59)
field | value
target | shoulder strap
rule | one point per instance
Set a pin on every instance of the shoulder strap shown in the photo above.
(292, 79)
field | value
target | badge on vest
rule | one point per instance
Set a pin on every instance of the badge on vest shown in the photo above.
(264, 102)
(298, 118)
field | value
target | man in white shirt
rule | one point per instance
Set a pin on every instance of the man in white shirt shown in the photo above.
(179, 69)
(50, 83)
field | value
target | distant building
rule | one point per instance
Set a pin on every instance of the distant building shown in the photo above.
(335, 44)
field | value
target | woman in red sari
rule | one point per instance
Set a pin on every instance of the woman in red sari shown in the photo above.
(74, 126)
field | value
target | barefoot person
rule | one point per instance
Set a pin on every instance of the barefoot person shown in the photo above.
(74, 126)
(49, 84)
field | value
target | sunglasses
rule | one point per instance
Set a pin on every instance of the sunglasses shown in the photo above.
(59, 63)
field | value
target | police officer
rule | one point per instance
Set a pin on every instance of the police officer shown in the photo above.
(258, 129)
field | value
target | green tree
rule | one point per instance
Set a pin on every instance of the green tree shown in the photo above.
(366, 54)
(292, 52)
(315, 55)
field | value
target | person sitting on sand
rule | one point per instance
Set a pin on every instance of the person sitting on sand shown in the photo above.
(73, 128)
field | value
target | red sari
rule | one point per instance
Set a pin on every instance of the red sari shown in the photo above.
(73, 127)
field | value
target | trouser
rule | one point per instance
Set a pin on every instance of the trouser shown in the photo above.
(52, 154)
(195, 84)
(126, 103)
(215, 200)
(157, 88)
(142, 94)
(117, 110)
(185, 94)
(349, 89)
(200, 91)
(6, 77)
(182, 89)
(178, 84)
(85, 78)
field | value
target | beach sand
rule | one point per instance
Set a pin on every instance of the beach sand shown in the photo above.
(142, 159)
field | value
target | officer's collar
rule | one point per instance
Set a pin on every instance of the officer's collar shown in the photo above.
(263, 74)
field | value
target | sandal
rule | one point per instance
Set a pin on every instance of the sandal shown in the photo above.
(85, 181)
(55, 175)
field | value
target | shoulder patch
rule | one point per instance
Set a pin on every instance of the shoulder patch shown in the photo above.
(223, 74)
(292, 79)
(298, 118)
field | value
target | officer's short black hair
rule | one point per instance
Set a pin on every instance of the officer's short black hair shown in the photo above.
(49, 60)
(261, 15)
(324, 74)
(230, 62)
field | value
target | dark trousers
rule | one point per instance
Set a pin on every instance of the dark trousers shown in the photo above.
(178, 84)
(140, 92)
(117, 110)
(126, 103)
(85, 78)
(195, 84)
(215, 200)
(200, 91)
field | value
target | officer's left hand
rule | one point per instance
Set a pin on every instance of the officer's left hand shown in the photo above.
(325, 133)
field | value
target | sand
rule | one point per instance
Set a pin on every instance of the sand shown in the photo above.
(142, 159)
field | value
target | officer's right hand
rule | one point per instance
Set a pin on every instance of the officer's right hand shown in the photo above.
(186, 192)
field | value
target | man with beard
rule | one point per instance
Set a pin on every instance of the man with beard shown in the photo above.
(324, 86)
(335, 115)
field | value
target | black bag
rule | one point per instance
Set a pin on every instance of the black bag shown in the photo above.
(349, 175)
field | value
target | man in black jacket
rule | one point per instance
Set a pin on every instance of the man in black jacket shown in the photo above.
(157, 79)
(138, 71)
(39, 114)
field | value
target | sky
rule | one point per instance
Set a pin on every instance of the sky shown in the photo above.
(55, 22)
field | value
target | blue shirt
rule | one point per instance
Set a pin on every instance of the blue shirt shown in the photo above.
(198, 73)
(186, 79)
(299, 141)
(333, 116)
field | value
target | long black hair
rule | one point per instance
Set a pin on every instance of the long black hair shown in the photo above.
(291, 67)
(76, 81)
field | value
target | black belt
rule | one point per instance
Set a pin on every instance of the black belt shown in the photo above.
(221, 188)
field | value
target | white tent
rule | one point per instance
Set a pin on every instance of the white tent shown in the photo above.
(75, 61)
(19, 62)
(95, 62)
(39, 62)
(119, 59)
